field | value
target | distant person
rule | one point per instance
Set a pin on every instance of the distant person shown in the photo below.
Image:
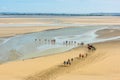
(82, 43)
(53, 41)
(66, 42)
(35, 39)
(71, 59)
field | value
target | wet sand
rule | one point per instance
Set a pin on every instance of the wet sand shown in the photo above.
(108, 33)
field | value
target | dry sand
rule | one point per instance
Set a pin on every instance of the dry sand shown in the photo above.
(23, 21)
(11, 31)
(105, 64)
(81, 20)
(101, 64)
(93, 20)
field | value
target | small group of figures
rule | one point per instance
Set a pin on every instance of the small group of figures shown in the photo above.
(72, 43)
(53, 42)
(91, 47)
(69, 61)
(45, 41)
(81, 56)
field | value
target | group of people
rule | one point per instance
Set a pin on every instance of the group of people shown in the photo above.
(91, 47)
(46, 41)
(53, 42)
(69, 61)
(73, 43)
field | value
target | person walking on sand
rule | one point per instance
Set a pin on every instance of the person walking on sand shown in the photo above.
(64, 62)
(71, 59)
(80, 55)
(69, 63)
(82, 43)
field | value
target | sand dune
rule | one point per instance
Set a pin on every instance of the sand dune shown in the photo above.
(105, 67)
(102, 64)
(98, 65)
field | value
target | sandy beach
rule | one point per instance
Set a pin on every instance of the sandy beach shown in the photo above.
(6, 30)
(100, 64)
(13, 31)
(59, 40)
(104, 65)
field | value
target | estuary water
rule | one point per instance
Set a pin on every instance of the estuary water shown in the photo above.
(48, 42)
